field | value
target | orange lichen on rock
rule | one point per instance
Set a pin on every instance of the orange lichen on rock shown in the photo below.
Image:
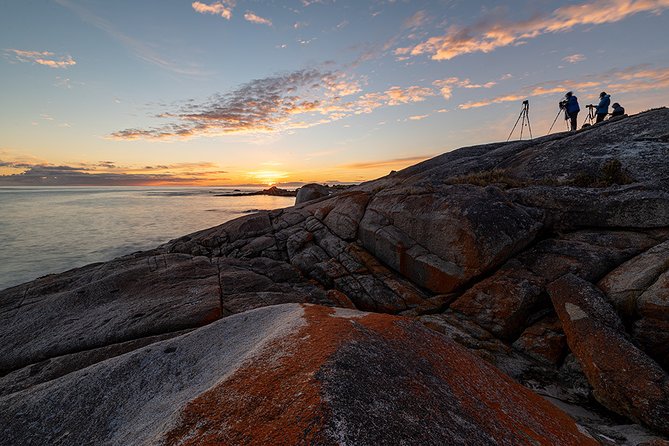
(342, 369)
(497, 405)
(273, 400)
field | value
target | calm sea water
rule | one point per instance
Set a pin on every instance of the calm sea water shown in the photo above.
(48, 230)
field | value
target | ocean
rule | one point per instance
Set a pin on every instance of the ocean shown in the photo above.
(47, 230)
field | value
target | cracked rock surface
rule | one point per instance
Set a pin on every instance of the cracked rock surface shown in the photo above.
(480, 297)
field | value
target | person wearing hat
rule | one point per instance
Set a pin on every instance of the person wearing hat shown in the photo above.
(571, 108)
(603, 107)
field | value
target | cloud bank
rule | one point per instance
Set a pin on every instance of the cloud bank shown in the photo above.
(108, 173)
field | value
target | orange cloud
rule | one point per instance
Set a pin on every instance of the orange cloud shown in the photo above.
(222, 8)
(45, 58)
(253, 18)
(491, 34)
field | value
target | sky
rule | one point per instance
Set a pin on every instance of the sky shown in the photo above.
(270, 92)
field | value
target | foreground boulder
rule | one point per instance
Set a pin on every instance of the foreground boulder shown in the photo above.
(623, 378)
(290, 374)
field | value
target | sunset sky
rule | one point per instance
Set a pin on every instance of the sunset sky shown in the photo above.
(257, 92)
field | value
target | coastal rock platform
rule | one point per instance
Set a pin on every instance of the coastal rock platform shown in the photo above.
(510, 293)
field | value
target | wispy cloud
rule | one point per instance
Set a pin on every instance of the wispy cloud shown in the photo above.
(574, 58)
(285, 102)
(139, 48)
(253, 18)
(496, 31)
(46, 58)
(446, 85)
(222, 8)
(636, 78)
(418, 117)
(417, 20)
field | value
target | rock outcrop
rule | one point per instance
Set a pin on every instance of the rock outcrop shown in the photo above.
(229, 334)
(310, 192)
(289, 374)
(623, 378)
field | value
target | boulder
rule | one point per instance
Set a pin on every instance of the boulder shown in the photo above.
(639, 290)
(544, 341)
(625, 284)
(290, 374)
(129, 298)
(441, 238)
(624, 379)
(502, 303)
(310, 192)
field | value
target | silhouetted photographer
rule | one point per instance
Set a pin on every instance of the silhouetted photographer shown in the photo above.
(603, 106)
(571, 108)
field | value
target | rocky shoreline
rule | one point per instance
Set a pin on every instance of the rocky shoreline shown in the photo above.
(272, 191)
(510, 293)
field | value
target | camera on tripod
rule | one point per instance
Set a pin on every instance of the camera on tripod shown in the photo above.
(591, 106)
(563, 104)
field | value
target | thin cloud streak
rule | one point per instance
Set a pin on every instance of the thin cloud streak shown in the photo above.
(45, 58)
(253, 18)
(492, 33)
(446, 86)
(574, 58)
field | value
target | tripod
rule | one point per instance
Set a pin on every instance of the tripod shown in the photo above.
(555, 120)
(525, 117)
(590, 118)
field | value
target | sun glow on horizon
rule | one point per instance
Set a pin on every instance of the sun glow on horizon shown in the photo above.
(268, 177)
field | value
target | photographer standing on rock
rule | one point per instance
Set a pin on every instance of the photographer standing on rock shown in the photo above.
(603, 106)
(571, 108)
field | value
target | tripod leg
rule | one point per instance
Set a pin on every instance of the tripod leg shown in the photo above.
(554, 121)
(527, 115)
(514, 126)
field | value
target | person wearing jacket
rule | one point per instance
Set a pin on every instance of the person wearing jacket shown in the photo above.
(603, 106)
(571, 108)
(618, 110)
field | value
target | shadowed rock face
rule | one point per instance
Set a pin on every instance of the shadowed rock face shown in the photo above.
(473, 244)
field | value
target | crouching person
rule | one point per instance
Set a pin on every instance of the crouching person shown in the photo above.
(618, 110)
